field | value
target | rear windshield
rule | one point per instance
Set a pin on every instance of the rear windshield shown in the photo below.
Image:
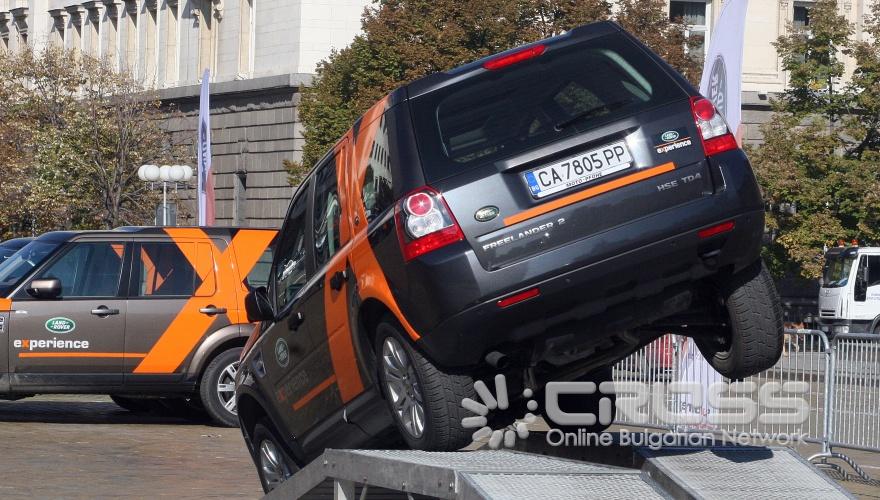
(565, 91)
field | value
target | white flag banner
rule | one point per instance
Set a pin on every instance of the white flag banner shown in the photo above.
(722, 72)
(203, 156)
(722, 84)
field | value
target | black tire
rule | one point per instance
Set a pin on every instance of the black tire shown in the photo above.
(133, 405)
(585, 403)
(218, 409)
(267, 444)
(755, 335)
(440, 394)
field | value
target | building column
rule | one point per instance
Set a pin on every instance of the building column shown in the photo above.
(109, 38)
(75, 26)
(5, 31)
(58, 29)
(94, 15)
(20, 21)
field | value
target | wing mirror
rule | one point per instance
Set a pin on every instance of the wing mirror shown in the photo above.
(48, 288)
(257, 305)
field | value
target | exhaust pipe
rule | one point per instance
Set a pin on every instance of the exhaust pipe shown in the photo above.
(497, 360)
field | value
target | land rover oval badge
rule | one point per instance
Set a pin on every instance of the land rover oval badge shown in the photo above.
(486, 214)
(670, 136)
(60, 325)
(282, 353)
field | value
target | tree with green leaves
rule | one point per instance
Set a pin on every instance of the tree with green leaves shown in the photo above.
(74, 133)
(404, 40)
(819, 165)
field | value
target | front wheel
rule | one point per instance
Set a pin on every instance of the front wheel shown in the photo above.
(217, 388)
(274, 464)
(424, 400)
(754, 337)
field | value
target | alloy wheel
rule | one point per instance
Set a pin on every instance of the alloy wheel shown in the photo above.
(226, 388)
(403, 387)
(272, 465)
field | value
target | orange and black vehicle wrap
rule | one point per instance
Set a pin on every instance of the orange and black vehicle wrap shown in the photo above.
(142, 309)
(538, 275)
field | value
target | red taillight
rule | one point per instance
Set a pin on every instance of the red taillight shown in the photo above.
(425, 223)
(519, 297)
(724, 227)
(514, 57)
(713, 129)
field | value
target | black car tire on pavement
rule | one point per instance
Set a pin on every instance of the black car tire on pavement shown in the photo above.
(755, 325)
(220, 372)
(425, 402)
(274, 464)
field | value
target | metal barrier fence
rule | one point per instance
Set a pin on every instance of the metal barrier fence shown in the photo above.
(838, 378)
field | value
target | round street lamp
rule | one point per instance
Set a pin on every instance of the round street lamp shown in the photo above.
(165, 174)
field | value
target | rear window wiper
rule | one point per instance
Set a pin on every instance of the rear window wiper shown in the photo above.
(591, 112)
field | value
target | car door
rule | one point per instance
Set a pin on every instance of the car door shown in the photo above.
(163, 316)
(75, 340)
(866, 290)
(295, 360)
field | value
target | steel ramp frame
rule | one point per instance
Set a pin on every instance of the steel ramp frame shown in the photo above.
(678, 472)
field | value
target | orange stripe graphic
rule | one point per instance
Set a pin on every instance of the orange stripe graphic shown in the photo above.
(589, 193)
(187, 329)
(312, 394)
(81, 355)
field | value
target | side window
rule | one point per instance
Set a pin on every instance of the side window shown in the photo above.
(289, 275)
(873, 270)
(259, 275)
(327, 213)
(88, 270)
(376, 191)
(162, 270)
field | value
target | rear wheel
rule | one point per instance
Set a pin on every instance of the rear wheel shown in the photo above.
(754, 337)
(425, 401)
(274, 464)
(217, 388)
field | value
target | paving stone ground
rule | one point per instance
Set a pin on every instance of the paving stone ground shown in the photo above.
(87, 447)
(63, 446)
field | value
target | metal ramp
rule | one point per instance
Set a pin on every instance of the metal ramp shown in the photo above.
(687, 473)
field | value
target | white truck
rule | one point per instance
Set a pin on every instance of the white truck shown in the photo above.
(849, 296)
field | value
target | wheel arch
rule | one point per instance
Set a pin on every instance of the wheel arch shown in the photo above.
(225, 338)
(874, 324)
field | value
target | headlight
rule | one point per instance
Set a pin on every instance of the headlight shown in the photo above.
(841, 329)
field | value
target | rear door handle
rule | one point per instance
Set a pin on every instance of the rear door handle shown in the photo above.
(338, 279)
(212, 310)
(104, 311)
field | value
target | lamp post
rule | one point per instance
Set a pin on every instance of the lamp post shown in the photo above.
(165, 174)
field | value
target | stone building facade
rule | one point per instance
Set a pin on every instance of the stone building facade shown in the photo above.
(261, 53)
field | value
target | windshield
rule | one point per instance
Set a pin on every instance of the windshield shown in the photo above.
(6, 253)
(837, 268)
(20, 264)
(565, 91)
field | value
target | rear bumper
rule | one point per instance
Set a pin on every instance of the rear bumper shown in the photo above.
(637, 285)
